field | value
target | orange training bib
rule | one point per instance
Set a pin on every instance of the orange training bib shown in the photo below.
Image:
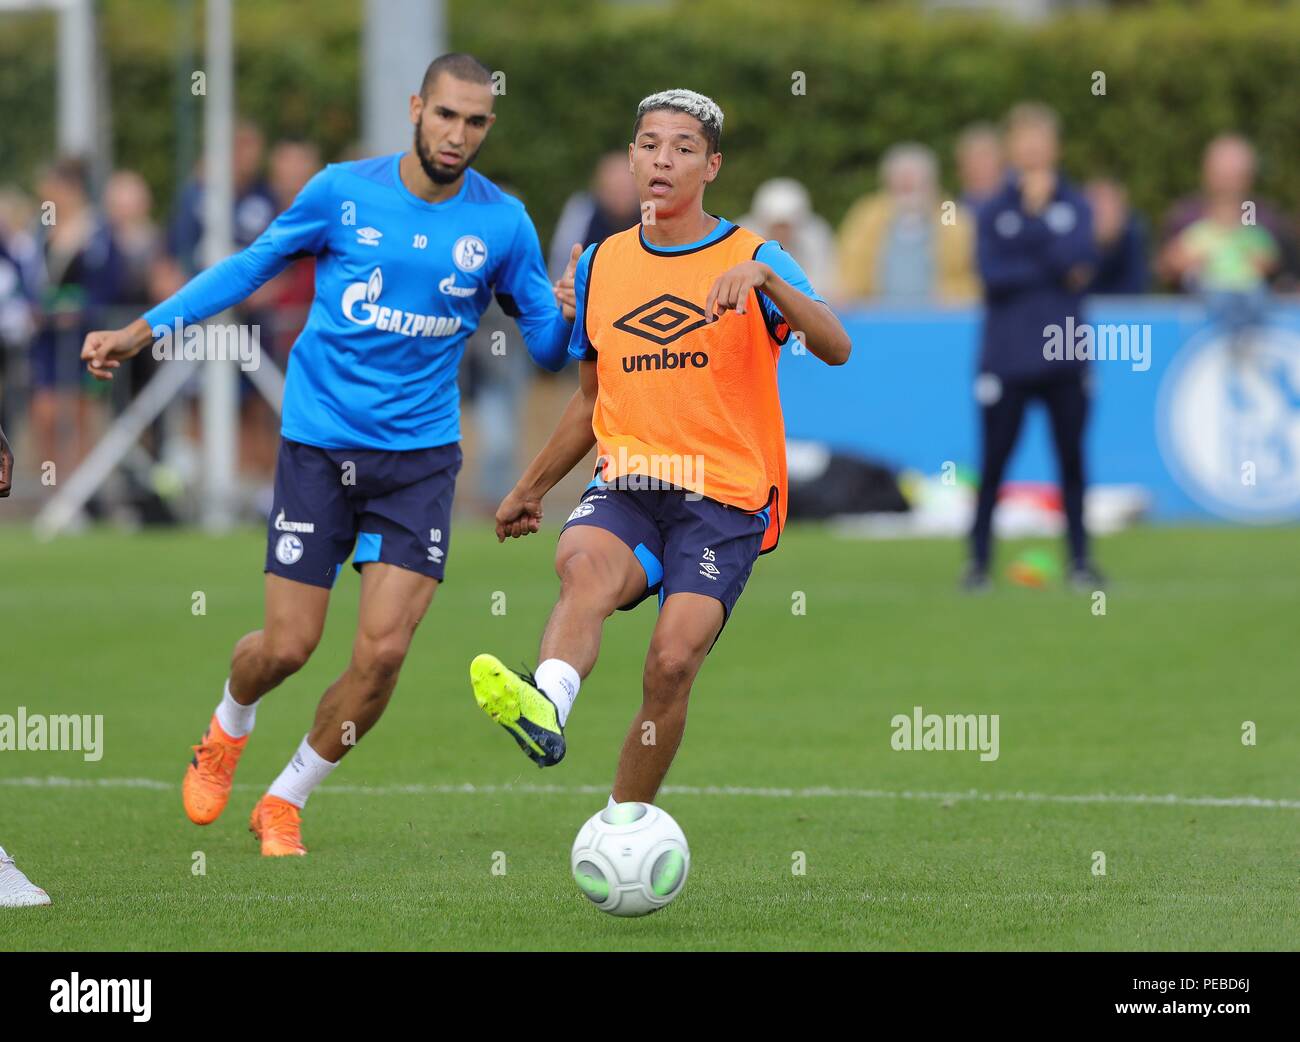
(684, 401)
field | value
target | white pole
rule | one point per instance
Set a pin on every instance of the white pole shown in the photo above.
(76, 71)
(64, 507)
(220, 430)
(398, 40)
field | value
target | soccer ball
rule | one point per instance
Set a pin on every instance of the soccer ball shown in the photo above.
(630, 859)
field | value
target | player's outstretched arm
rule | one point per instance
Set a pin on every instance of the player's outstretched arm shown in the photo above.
(209, 293)
(520, 512)
(301, 229)
(822, 332)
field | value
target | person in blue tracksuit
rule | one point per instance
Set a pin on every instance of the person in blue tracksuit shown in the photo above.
(1036, 256)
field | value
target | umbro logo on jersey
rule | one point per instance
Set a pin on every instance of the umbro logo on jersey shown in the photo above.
(662, 320)
(369, 236)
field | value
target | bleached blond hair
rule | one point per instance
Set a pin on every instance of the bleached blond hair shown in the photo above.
(705, 109)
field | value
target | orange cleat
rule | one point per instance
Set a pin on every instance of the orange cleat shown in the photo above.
(278, 824)
(211, 773)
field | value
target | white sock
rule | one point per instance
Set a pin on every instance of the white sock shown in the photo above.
(559, 682)
(305, 771)
(612, 802)
(235, 719)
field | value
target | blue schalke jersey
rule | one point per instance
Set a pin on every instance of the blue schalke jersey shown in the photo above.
(400, 285)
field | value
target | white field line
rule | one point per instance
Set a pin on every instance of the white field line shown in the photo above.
(470, 789)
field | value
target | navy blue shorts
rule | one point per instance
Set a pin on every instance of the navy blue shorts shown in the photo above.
(686, 543)
(394, 506)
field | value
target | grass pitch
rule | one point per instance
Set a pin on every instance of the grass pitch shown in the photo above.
(1114, 729)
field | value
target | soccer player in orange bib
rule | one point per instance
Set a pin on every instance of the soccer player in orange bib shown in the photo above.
(680, 322)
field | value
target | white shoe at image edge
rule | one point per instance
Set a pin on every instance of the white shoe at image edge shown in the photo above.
(16, 890)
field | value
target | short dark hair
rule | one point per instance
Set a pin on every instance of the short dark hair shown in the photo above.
(462, 66)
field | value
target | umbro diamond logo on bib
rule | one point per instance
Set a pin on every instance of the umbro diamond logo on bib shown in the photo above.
(663, 319)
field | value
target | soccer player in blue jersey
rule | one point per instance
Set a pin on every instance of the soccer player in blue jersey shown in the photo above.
(409, 250)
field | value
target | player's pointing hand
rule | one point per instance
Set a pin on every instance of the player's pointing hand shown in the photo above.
(105, 349)
(731, 290)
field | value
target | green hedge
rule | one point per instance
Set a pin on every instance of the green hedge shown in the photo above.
(876, 74)
(1174, 78)
(297, 68)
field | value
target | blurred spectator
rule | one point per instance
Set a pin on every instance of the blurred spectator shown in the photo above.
(1227, 182)
(1228, 263)
(18, 216)
(896, 244)
(1036, 255)
(82, 275)
(20, 279)
(611, 205)
(1121, 240)
(128, 208)
(782, 210)
(292, 165)
(254, 203)
(255, 208)
(980, 168)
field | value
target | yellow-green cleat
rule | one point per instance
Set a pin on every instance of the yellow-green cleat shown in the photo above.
(514, 701)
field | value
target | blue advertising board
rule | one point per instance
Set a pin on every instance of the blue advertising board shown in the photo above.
(1209, 428)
